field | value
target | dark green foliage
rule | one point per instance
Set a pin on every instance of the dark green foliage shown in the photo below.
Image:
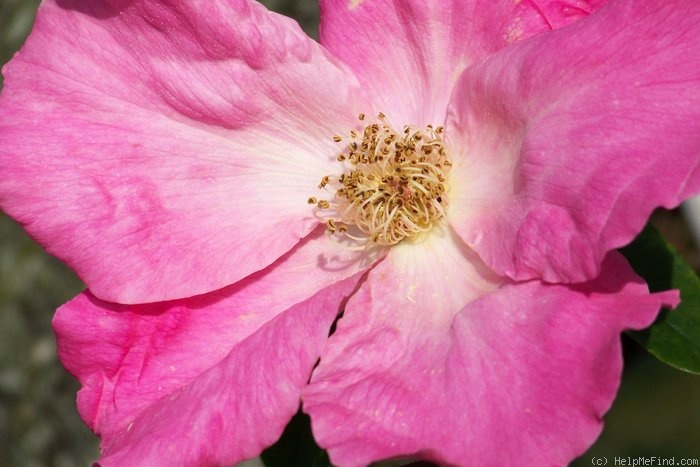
(675, 336)
(296, 447)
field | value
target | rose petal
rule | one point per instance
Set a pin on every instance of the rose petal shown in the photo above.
(535, 16)
(531, 365)
(410, 53)
(567, 142)
(208, 380)
(167, 149)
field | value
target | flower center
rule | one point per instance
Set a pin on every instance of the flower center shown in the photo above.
(392, 185)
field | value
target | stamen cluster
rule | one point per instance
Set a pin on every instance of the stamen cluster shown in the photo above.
(393, 185)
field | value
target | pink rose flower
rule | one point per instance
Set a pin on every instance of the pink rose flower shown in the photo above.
(453, 176)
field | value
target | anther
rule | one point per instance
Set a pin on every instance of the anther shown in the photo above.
(393, 187)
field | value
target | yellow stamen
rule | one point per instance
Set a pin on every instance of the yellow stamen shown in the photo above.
(393, 184)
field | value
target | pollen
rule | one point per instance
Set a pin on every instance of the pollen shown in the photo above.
(392, 185)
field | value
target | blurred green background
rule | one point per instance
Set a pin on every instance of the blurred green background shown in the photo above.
(657, 412)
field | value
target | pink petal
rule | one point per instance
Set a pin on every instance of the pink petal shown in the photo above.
(569, 141)
(533, 16)
(166, 149)
(207, 380)
(520, 376)
(410, 53)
